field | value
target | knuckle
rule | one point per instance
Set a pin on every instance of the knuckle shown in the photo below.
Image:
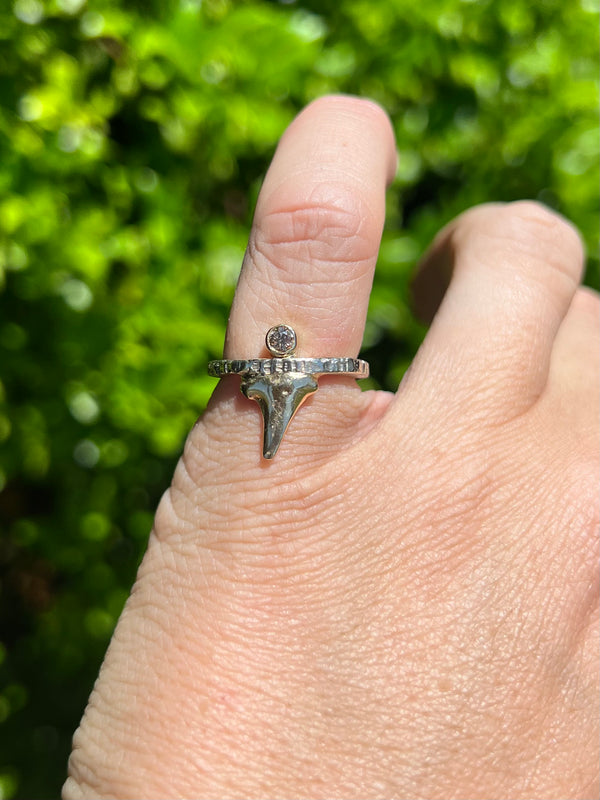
(587, 302)
(73, 790)
(528, 235)
(89, 770)
(312, 218)
(331, 224)
(535, 224)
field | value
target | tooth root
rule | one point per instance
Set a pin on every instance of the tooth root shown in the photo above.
(279, 397)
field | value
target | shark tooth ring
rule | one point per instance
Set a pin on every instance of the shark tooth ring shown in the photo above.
(282, 383)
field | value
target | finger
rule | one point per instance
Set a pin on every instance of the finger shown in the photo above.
(574, 376)
(511, 272)
(316, 231)
(309, 264)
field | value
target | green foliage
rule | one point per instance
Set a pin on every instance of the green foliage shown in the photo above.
(134, 137)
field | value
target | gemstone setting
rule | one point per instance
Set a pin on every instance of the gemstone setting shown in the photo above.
(281, 340)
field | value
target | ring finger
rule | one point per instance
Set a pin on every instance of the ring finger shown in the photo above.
(310, 261)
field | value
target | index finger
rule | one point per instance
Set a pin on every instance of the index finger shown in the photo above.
(316, 231)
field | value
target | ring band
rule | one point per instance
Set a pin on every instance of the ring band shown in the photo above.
(351, 367)
(281, 384)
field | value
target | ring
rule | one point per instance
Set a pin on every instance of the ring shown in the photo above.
(281, 384)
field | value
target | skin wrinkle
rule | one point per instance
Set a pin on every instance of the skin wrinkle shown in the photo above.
(321, 317)
(504, 361)
(284, 518)
(315, 220)
(544, 721)
(191, 673)
(581, 444)
(345, 222)
(580, 495)
(517, 225)
(289, 297)
(472, 404)
(356, 272)
(90, 777)
(555, 586)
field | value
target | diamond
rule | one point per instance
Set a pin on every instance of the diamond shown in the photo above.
(281, 340)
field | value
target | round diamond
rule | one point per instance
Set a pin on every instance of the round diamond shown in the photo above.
(281, 340)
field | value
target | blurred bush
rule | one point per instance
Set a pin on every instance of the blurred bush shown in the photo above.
(134, 137)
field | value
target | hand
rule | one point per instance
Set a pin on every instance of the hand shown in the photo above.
(403, 602)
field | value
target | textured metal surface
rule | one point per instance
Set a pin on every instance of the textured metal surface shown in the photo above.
(354, 367)
(281, 385)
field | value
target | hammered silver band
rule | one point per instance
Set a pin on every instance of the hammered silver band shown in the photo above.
(281, 384)
(352, 367)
